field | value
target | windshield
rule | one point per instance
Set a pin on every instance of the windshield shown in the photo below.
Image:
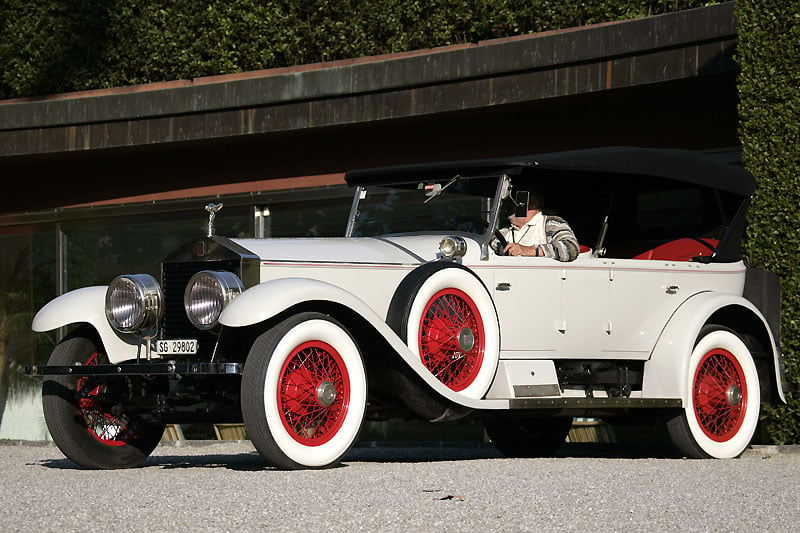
(449, 205)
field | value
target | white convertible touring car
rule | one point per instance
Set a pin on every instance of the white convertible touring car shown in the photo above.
(413, 313)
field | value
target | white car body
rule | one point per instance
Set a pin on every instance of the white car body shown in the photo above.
(541, 324)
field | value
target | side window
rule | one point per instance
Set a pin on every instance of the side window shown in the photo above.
(677, 224)
(669, 212)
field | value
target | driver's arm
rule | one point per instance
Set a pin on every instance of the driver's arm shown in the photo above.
(561, 241)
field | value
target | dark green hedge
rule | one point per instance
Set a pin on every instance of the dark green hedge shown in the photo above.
(769, 89)
(50, 46)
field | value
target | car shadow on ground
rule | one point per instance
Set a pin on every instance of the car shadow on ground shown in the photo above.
(393, 452)
(446, 451)
(246, 462)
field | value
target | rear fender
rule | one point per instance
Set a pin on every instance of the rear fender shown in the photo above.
(665, 374)
(87, 305)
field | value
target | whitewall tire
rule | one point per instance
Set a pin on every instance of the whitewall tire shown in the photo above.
(304, 392)
(723, 398)
(448, 320)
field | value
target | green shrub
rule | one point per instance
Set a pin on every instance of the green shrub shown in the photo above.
(51, 46)
(769, 90)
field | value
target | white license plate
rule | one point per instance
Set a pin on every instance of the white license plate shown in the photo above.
(177, 347)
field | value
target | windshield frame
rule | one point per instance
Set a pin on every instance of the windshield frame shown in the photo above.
(501, 192)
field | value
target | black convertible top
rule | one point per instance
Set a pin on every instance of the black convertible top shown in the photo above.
(682, 165)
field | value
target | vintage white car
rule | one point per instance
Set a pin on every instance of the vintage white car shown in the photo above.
(414, 314)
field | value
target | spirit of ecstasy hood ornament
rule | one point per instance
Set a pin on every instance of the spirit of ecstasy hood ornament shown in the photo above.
(212, 213)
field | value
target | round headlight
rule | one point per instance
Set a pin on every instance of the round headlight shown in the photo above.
(207, 294)
(134, 303)
(453, 247)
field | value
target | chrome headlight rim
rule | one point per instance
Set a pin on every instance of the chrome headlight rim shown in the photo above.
(207, 294)
(453, 247)
(134, 304)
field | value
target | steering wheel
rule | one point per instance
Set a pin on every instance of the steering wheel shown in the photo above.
(503, 242)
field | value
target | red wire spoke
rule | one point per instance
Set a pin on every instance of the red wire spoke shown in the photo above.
(108, 428)
(446, 315)
(304, 416)
(716, 375)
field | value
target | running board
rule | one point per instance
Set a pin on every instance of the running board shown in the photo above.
(591, 403)
(140, 369)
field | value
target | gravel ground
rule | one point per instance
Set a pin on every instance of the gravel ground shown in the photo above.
(227, 487)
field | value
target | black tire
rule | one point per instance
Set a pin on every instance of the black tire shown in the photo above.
(723, 401)
(304, 392)
(78, 412)
(527, 437)
(424, 302)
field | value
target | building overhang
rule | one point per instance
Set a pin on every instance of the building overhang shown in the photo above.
(604, 84)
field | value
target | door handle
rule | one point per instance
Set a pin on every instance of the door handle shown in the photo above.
(503, 287)
(672, 289)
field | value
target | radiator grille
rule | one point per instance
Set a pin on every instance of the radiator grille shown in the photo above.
(175, 324)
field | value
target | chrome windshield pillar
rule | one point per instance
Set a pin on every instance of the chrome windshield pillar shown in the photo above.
(351, 220)
(503, 186)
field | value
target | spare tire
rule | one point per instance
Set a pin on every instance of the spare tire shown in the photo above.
(445, 314)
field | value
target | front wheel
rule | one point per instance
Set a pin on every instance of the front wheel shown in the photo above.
(721, 412)
(304, 392)
(88, 417)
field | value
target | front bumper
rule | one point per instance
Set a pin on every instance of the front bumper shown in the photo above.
(138, 369)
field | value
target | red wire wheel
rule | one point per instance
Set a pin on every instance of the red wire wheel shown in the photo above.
(91, 419)
(452, 340)
(719, 395)
(110, 429)
(313, 393)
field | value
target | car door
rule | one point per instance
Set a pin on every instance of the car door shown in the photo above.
(584, 324)
(528, 295)
(643, 295)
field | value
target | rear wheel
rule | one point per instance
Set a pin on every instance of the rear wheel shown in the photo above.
(304, 392)
(723, 400)
(88, 417)
(527, 437)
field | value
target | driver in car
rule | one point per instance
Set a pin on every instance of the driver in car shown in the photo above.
(540, 235)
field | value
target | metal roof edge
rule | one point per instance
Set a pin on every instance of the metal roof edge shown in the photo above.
(375, 74)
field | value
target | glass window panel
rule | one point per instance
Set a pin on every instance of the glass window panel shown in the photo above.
(319, 218)
(99, 250)
(27, 281)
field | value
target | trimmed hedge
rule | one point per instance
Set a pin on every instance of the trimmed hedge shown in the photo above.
(769, 90)
(51, 46)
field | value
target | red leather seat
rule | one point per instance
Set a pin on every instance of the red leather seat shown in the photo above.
(680, 250)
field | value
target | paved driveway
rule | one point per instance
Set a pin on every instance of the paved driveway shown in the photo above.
(227, 487)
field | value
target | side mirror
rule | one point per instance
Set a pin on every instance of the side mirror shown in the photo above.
(521, 201)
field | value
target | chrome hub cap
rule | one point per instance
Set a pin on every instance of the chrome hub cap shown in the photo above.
(466, 339)
(734, 395)
(326, 393)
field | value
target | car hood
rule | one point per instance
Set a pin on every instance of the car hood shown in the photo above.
(406, 249)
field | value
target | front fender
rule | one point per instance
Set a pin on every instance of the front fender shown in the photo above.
(270, 298)
(87, 305)
(666, 371)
